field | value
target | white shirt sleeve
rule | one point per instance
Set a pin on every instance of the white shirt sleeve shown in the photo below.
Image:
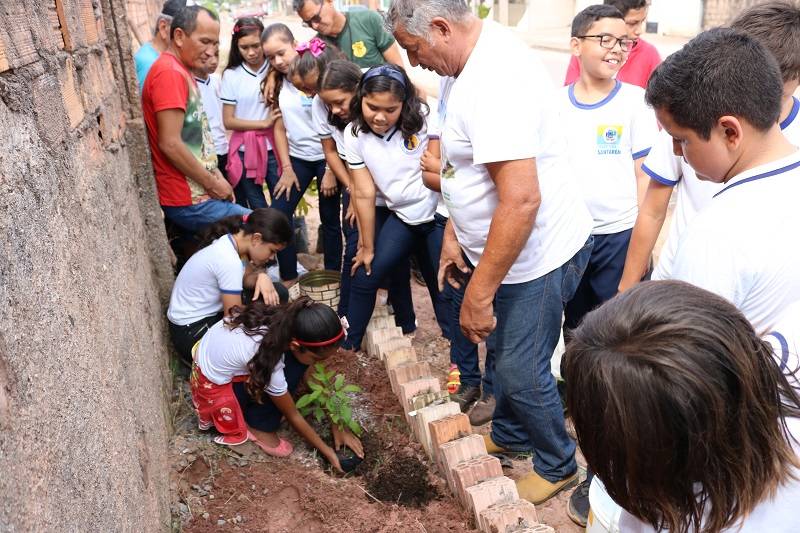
(662, 165)
(230, 274)
(352, 149)
(227, 91)
(277, 382)
(644, 129)
(319, 118)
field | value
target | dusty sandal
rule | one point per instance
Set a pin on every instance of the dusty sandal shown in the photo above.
(283, 449)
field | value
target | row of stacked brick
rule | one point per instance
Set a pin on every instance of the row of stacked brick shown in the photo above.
(475, 478)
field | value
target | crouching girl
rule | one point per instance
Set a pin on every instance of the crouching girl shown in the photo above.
(248, 365)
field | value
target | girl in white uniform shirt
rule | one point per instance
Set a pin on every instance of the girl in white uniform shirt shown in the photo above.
(250, 155)
(331, 114)
(257, 350)
(692, 422)
(384, 144)
(299, 147)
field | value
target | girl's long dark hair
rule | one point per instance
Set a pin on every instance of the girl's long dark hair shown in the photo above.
(680, 407)
(304, 320)
(304, 64)
(412, 116)
(273, 226)
(243, 27)
(342, 75)
(287, 36)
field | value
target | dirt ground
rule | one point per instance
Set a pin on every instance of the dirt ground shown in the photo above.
(216, 488)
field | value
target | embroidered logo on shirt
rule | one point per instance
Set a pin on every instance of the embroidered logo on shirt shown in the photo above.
(411, 144)
(609, 138)
(359, 49)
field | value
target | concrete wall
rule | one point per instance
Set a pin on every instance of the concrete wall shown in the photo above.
(720, 12)
(84, 378)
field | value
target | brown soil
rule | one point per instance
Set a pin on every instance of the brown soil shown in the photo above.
(404, 480)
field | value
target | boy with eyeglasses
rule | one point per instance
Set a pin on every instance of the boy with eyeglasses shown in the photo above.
(643, 57)
(611, 131)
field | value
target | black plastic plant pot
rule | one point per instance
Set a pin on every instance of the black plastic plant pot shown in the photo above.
(348, 460)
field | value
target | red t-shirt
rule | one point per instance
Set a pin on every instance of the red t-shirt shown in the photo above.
(642, 61)
(170, 86)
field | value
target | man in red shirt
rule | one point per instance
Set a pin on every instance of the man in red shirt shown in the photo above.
(191, 190)
(642, 59)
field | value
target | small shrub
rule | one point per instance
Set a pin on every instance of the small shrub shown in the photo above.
(328, 397)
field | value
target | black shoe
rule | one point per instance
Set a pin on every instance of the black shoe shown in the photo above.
(483, 410)
(578, 508)
(465, 396)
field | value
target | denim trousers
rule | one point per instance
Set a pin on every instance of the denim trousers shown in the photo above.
(194, 218)
(395, 242)
(529, 415)
(463, 352)
(329, 209)
(398, 281)
(248, 192)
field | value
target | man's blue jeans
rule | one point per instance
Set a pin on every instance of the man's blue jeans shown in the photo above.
(529, 415)
(196, 217)
(463, 352)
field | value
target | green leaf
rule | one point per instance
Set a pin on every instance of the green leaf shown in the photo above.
(335, 419)
(354, 427)
(305, 411)
(319, 377)
(313, 385)
(351, 388)
(347, 413)
(305, 400)
(319, 414)
(330, 375)
(319, 367)
(339, 382)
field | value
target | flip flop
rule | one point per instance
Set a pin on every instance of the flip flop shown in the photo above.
(283, 449)
(229, 441)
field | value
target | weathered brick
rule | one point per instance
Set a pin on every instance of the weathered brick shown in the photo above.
(89, 22)
(538, 528)
(488, 493)
(453, 452)
(3, 58)
(423, 417)
(406, 372)
(471, 472)
(72, 101)
(380, 310)
(506, 517)
(380, 322)
(371, 339)
(399, 357)
(447, 429)
(415, 387)
(58, 22)
(19, 47)
(391, 345)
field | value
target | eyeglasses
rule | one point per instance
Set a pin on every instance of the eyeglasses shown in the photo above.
(609, 41)
(316, 19)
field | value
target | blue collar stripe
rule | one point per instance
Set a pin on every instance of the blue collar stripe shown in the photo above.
(601, 103)
(769, 174)
(792, 114)
(784, 349)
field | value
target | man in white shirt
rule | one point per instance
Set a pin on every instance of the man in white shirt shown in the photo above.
(504, 156)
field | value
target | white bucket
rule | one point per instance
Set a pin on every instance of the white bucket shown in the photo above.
(604, 513)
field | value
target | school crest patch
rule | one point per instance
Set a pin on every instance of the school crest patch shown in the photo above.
(411, 144)
(609, 138)
(359, 49)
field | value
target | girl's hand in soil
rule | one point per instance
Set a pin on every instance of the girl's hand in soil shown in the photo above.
(287, 181)
(344, 437)
(265, 289)
(333, 459)
(328, 185)
(363, 258)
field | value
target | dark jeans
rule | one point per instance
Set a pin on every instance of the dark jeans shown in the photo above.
(328, 214)
(600, 281)
(248, 192)
(463, 352)
(529, 415)
(185, 337)
(194, 218)
(394, 243)
(265, 416)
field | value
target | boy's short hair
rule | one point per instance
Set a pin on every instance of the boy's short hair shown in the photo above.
(720, 72)
(626, 5)
(584, 20)
(776, 25)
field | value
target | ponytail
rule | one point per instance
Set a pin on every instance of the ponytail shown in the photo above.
(273, 226)
(305, 321)
(313, 56)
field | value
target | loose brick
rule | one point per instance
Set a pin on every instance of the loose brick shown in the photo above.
(488, 493)
(399, 357)
(538, 528)
(380, 310)
(391, 345)
(406, 372)
(471, 472)
(374, 337)
(415, 387)
(380, 322)
(423, 417)
(453, 452)
(507, 517)
(447, 429)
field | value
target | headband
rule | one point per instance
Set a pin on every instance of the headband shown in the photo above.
(316, 46)
(337, 337)
(385, 70)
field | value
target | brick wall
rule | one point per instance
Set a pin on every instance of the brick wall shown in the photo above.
(84, 379)
(720, 12)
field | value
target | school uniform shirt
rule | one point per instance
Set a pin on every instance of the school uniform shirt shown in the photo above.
(784, 338)
(741, 245)
(642, 61)
(241, 87)
(323, 128)
(393, 163)
(170, 86)
(693, 194)
(224, 352)
(604, 140)
(519, 121)
(363, 38)
(209, 92)
(304, 141)
(212, 271)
